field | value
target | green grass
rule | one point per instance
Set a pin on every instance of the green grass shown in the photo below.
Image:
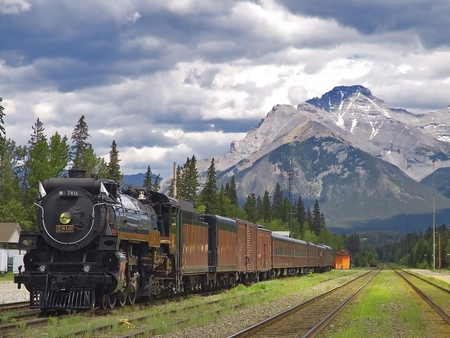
(7, 277)
(383, 310)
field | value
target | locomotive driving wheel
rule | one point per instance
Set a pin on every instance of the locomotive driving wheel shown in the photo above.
(92, 299)
(112, 301)
(131, 298)
(122, 297)
(104, 302)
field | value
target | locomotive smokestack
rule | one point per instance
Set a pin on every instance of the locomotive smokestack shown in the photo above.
(76, 173)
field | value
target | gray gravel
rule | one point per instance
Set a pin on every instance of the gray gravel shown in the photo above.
(241, 319)
(10, 294)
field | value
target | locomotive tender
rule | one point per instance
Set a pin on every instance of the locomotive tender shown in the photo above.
(98, 246)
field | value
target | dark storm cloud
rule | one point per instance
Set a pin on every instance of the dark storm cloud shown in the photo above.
(427, 19)
(167, 79)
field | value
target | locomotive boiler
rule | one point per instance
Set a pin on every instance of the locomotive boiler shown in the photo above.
(96, 245)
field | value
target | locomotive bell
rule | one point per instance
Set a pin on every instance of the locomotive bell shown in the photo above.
(141, 196)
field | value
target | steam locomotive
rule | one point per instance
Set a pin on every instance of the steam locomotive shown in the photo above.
(97, 246)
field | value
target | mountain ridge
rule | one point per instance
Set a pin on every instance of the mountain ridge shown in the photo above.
(347, 134)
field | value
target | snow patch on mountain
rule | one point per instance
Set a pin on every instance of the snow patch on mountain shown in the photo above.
(395, 135)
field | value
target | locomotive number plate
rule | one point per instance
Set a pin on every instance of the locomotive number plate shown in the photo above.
(69, 193)
(64, 228)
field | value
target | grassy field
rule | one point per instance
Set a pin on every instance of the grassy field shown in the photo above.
(387, 308)
(7, 277)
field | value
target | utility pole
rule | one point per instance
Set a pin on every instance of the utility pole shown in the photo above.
(434, 222)
(290, 203)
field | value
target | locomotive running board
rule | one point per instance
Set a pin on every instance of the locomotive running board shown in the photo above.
(152, 237)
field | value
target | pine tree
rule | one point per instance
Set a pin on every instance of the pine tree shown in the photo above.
(301, 214)
(187, 181)
(38, 133)
(191, 181)
(250, 208)
(316, 219)
(208, 196)
(113, 168)
(156, 185)
(82, 152)
(278, 205)
(266, 209)
(148, 179)
(232, 192)
(322, 222)
(79, 145)
(308, 218)
(259, 208)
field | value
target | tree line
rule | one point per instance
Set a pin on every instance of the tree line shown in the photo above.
(22, 167)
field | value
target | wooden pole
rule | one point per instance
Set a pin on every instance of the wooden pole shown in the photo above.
(439, 236)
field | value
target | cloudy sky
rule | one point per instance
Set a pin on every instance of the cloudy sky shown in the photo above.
(168, 79)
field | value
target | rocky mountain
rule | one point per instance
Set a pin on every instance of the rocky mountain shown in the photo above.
(362, 160)
(367, 164)
(408, 141)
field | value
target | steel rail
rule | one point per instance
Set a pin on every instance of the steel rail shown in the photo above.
(434, 306)
(252, 330)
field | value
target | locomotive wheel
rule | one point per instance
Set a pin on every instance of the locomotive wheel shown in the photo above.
(131, 298)
(122, 297)
(104, 301)
(92, 299)
(112, 301)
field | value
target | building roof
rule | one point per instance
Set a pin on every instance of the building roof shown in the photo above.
(9, 232)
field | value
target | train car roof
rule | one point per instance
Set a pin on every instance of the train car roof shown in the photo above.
(324, 246)
(289, 239)
(222, 219)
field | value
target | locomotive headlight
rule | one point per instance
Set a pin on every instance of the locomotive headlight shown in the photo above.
(42, 268)
(65, 218)
(86, 268)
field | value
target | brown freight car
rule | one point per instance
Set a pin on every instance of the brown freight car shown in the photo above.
(246, 251)
(263, 252)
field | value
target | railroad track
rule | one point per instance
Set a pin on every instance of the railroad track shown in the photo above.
(14, 306)
(437, 297)
(311, 316)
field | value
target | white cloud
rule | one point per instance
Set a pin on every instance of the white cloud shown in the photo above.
(14, 7)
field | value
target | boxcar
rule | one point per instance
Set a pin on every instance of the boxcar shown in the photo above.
(246, 250)
(263, 252)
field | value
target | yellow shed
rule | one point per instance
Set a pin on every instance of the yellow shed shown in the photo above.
(342, 260)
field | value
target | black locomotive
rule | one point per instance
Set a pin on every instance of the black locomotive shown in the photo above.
(98, 246)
